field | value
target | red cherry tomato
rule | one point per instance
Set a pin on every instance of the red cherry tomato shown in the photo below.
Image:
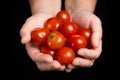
(86, 33)
(52, 24)
(69, 28)
(39, 35)
(63, 16)
(76, 42)
(46, 50)
(56, 40)
(65, 55)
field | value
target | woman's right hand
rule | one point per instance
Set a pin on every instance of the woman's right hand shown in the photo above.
(43, 61)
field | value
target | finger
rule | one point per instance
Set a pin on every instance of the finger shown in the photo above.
(34, 53)
(41, 57)
(69, 68)
(25, 35)
(82, 62)
(43, 66)
(91, 53)
(96, 28)
(62, 68)
(25, 31)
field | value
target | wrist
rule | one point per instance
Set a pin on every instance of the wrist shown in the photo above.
(43, 11)
(78, 5)
(80, 12)
(45, 6)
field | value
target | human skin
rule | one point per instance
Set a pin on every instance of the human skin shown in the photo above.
(82, 12)
(41, 10)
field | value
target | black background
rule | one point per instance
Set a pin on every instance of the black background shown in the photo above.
(105, 66)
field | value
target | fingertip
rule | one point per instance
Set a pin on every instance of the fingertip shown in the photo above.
(24, 40)
(49, 58)
(81, 51)
(25, 35)
(56, 65)
(68, 70)
(75, 62)
(62, 68)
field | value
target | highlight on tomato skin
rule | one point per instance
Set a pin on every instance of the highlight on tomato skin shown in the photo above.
(65, 55)
(85, 32)
(39, 36)
(77, 42)
(63, 16)
(69, 28)
(52, 23)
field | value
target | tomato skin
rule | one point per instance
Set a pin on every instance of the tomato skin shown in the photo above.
(65, 55)
(86, 33)
(76, 42)
(46, 50)
(39, 36)
(56, 40)
(69, 28)
(63, 16)
(52, 24)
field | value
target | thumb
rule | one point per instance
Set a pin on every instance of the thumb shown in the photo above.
(25, 35)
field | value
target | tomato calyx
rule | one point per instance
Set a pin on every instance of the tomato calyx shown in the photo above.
(52, 36)
(56, 40)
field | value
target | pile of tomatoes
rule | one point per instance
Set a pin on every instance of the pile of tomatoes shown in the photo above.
(61, 38)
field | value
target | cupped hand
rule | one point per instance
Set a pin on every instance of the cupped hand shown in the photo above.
(43, 61)
(87, 56)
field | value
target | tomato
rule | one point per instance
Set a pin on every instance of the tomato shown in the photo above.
(65, 55)
(52, 24)
(69, 28)
(39, 36)
(56, 40)
(76, 42)
(86, 33)
(46, 50)
(63, 16)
